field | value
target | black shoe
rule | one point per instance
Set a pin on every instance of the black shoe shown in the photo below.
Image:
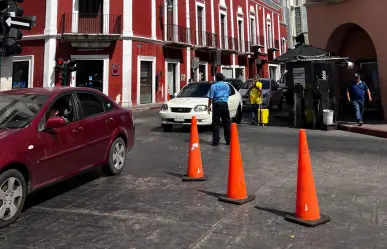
(360, 123)
(214, 144)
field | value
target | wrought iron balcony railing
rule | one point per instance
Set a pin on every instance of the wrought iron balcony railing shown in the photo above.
(229, 43)
(207, 39)
(90, 23)
(177, 34)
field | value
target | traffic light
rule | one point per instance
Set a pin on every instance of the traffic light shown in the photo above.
(59, 65)
(72, 65)
(10, 23)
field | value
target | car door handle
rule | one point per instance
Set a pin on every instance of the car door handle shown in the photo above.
(109, 120)
(77, 130)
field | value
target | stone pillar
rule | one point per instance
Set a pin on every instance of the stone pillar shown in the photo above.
(6, 69)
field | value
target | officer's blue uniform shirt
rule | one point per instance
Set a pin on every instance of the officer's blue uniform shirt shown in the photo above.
(357, 91)
(219, 92)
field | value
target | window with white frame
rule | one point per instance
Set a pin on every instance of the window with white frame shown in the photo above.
(283, 45)
(223, 31)
(269, 34)
(200, 25)
(240, 35)
(253, 30)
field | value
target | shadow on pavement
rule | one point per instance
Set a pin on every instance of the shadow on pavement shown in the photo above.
(214, 194)
(60, 188)
(274, 211)
(174, 174)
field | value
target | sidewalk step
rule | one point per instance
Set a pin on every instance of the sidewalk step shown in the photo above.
(372, 130)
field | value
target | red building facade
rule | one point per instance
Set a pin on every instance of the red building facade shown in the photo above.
(140, 52)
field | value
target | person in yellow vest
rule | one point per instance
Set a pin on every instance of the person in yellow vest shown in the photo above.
(255, 94)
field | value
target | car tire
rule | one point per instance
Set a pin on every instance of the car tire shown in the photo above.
(16, 194)
(166, 128)
(117, 157)
(238, 116)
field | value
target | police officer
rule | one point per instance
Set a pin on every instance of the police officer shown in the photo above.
(218, 97)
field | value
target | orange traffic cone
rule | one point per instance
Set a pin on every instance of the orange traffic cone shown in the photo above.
(307, 209)
(236, 190)
(195, 168)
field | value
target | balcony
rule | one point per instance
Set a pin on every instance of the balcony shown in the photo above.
(85, 30)
(246, 48)
(229, 44)
(258, 41)
(175, 35)
(207, 40)
(273, 45)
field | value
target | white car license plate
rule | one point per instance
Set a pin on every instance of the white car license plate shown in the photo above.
(179, 119)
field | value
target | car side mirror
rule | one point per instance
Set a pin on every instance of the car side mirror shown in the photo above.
(53, 123)
(174, 96)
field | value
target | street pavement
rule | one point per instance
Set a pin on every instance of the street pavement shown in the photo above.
(148, 206)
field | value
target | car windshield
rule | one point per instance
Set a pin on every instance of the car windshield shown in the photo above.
(17, 111)
(265, 84)
(195, 90)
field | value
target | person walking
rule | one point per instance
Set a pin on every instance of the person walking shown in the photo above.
(356, 95)
(255, 95)
(218, 98)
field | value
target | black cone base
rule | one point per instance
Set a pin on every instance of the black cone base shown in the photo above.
(308, 223)
(237, 201)
(186, 178)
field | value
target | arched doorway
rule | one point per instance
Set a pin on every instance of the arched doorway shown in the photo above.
(351, 40)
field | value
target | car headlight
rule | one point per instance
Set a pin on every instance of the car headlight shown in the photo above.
(164, 107)
(264, 95)
(200, 108)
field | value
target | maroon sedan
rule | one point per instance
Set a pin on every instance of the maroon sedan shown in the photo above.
(49, 134)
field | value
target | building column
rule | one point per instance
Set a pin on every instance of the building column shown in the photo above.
(127, 55)
(188, 24)
(50, 43)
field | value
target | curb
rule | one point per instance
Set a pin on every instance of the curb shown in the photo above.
(140, 109)
(364, 131)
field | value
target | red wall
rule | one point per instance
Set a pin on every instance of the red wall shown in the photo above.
(64, 51)
(142, 16)
(35, 8)
(35, 48)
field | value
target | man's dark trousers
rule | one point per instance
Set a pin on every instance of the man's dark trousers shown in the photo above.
(220, 111)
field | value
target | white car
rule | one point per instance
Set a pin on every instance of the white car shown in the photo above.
(192, 101)
(271, 91)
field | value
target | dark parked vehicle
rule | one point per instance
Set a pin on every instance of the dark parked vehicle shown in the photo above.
(50, 134)
(236, 83)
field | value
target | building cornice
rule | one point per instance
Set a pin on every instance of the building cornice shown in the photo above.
(122, 37)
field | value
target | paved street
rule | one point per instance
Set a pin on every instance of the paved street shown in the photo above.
(148, 206)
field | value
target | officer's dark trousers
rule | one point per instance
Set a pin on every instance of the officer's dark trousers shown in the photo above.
(220, 111)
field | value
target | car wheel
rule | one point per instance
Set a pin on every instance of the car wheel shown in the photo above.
(281, 103)
(117, 156)
(238, 116)
(167, 128)
(13, 194)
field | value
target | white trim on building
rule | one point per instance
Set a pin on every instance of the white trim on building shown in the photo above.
(153, 60)
(177, 75)
(30, 59)
(105, 76)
